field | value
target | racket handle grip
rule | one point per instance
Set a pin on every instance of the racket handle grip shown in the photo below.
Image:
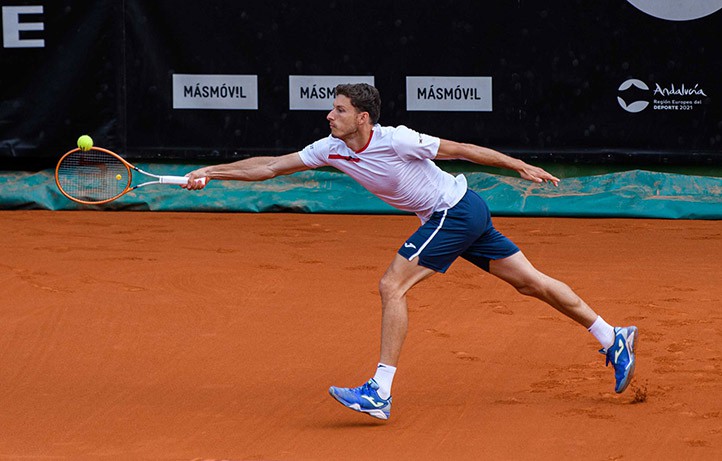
(179, 180)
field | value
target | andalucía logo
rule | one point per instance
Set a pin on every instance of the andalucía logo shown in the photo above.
(635, 106)
(635, 95)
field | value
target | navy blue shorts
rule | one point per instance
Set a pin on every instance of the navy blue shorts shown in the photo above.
(464, 230)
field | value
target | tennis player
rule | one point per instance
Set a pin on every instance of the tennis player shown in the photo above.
(395, 164)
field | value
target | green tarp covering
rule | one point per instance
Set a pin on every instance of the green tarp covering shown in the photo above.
(637, 193)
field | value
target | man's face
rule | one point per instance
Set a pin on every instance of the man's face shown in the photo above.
(344, 119)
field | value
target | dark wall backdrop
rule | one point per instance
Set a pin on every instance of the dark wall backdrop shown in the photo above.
(106, 68)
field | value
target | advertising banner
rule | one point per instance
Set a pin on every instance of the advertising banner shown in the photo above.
(174, 80)
(62, 74)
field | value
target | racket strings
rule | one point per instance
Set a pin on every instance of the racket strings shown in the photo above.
(92, 176)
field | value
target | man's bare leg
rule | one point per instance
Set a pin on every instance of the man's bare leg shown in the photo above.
(519, 272)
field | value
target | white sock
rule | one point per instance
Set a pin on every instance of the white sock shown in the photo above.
(603, 331)
(384, 378)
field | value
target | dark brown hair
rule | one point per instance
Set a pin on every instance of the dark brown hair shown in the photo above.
(364, 97)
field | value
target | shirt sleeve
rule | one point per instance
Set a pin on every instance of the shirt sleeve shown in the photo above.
(410, 144)
(315, 155)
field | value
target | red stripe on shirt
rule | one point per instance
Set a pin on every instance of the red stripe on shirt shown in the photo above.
(344, 157)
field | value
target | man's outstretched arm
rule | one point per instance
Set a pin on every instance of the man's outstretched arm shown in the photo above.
(452, 150)
(250, 169)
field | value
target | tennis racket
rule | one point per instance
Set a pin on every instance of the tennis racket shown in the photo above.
(96, 176)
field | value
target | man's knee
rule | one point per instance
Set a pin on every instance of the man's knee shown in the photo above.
(400, 277)
(389, 287)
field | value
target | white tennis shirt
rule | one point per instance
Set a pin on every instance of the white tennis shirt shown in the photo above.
(395, 166)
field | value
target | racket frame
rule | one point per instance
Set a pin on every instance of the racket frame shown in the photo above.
(159, 179)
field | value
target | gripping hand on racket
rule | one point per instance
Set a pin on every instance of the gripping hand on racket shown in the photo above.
(193, 183)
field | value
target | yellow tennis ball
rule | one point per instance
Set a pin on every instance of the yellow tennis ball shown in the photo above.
(85, 142)
(118, 177)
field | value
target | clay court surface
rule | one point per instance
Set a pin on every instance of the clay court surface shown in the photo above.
(194, 336)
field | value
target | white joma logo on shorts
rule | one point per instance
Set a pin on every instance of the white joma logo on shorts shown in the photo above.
(409, 245)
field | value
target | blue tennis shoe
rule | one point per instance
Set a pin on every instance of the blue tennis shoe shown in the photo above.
(621, 356)
(364, 399)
